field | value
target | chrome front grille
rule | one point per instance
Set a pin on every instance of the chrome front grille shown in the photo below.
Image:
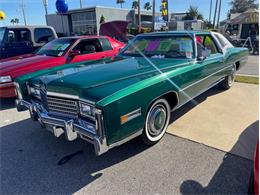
(62, 106)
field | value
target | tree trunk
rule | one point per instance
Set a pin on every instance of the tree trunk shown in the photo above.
(139, 16)
(215, 13)
(219, 10)
(153, 14)
(210, 9)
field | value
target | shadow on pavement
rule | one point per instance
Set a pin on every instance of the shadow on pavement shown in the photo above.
(222, 182)
(7, 103)
(192, 104)
(30, 159)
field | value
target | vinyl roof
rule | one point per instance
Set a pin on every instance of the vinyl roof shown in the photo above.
(183, 32)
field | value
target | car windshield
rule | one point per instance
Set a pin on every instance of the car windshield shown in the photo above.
(2, 33)
(161, 47)
(56, 47)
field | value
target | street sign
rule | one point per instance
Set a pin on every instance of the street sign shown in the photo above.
(164, 9)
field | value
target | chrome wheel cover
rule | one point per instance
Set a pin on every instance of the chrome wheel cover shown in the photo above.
(231, 77)
(157, 120)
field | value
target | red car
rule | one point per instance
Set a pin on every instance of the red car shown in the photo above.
(254, 179)
(57, 52)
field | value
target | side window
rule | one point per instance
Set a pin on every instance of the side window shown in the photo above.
(106, 44)
(210, 45)
(223, 41)
(88, 46)
(19, 35)
(43, 35)
(200, 46)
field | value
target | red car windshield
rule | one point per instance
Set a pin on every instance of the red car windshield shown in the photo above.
(56, 47)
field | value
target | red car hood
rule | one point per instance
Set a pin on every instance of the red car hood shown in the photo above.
(20, 65)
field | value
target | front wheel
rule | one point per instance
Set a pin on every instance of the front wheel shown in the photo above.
(157, 121)
(229, 80)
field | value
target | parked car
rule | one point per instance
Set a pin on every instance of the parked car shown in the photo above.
(254, 179)
(112, 102)
(55, 53)
(18, 40)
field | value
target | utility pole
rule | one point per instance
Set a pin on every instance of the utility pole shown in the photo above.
(153, 14)
(210, 11)
(80, 1)
(219, 10)
(23, 11)
(215, 13)
(139, 16)
(45, 4)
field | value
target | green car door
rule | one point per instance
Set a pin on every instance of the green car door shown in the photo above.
(204, 72)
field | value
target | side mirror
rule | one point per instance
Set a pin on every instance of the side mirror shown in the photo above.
(201, 58)
(204, 54)
(73, 53)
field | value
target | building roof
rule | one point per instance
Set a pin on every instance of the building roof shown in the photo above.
(250, 16)
(103, 7)
(28, 26)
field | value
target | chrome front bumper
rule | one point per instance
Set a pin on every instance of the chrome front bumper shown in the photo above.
(69, 128)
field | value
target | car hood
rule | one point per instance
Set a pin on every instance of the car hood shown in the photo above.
(111, 76)
(15, 65)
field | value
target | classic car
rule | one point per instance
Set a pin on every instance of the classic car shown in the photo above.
(18, 40)
(55, 53)
(112, 101)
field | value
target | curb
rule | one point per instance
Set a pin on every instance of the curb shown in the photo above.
(247, 75)
(250, 79)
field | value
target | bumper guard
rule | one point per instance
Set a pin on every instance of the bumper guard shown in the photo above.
(69, 128)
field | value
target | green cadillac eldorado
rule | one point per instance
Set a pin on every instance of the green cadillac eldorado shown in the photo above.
(111, 101)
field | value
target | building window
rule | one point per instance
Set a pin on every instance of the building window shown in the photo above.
(84, 23)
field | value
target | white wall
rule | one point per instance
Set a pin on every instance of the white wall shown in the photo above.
(59, 23)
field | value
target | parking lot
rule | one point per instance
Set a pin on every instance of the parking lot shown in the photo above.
(33, 161)
(252, 66)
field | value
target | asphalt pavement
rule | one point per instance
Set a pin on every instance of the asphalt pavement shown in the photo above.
(33, 161)
(252, 66)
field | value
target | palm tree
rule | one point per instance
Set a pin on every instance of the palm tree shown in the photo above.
(12, 21)
(102, 20)
(135, 4)
(148, 6)
(120, 2)
(15, 21)
(193, 13)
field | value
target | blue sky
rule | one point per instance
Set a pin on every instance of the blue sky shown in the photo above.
(35, 11)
